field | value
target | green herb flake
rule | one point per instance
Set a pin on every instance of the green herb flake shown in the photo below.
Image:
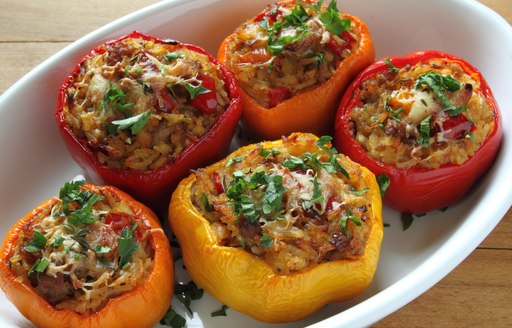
(37, 243)
(206, 204)
(424, 131)
(390, 65)
(57, 242)
(114, 98)
(319, 58)
(346, 218)
(233, 160)
(439, 84)
(332, 21)
(188, 293)
(126, 245)
(173, 319)
(407, 220)
(266, 153)
(39, 265)
(384, 182)
(220, 312)
(134, 123)
(266, 240)
(359, 192)
(100, 249)
(195, 90)
(173, 56)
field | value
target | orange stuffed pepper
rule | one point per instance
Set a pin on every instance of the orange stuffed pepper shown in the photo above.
(93, 257)
(279, 229)
(293, 61)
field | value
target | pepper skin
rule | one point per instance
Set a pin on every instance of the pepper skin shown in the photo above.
(143, 306)
(246, 283)
(417, 189)
(311, 110)
(154, 187)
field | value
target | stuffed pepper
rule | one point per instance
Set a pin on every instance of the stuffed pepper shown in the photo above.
(139, 112)
(427, 120)
(91, 257)
(293, 62)
(279, 229)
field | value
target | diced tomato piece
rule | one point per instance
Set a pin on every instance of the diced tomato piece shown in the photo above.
(457, 127)
(278, 95)
(217, 183)
(206, 102)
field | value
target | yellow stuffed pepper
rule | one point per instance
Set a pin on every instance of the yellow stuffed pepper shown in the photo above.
(279, 229)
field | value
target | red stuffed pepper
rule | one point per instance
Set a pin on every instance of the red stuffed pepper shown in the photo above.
(427, 120)
(139, 112)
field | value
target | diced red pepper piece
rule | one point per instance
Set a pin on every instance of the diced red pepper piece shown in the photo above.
(217, 183)
(457, 127)
(278, 95)
(206, 102)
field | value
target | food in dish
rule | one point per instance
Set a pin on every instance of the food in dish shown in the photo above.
(91, 257)
(279, 229)
(427, 120)
(138, 112)
(293, 62)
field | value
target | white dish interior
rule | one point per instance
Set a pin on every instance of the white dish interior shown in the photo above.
(35, 163)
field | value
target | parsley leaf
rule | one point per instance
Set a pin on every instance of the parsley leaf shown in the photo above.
(266, 153)
(266, 240)
(206, 204)
(332, 21)
(115, 98)
(407, 220)
(220, 312)
(172, 56)
(37, 243)
(351, 217)
(424, 132)
(39, 265)
(134, 123)
(82, 216)
(172, 319)
(233, 160)
(392, 67)
(439, 84)
(57, 242)
(383, 181)
(126, 245)
(195, 90)
(188, 293)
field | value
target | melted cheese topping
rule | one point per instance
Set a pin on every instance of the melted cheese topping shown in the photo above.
(407, 126)
(139, 77)
(317, 218)
(79, 277)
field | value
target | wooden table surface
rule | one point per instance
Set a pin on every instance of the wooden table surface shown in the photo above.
(477, 293)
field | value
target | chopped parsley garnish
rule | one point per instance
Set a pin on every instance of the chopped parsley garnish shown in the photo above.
(424, 132)
(319, 58)
(115, 99)
(195, 90)
(233, 160)
(206, 204)
(188, 293)
(172, 56)
(220, 312)
(37, 243)
(359, 192)
(57, 242)
(332, 21)
(351, 217)
(100, 249)
(39, 265)
(392, 67)
(126, 245)
(173, 319)
(407, 220)
(77, 203)
(266, 153)
(266, 240)
(439, 84)
(383, 182)
(271, 200)
(134, 123)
